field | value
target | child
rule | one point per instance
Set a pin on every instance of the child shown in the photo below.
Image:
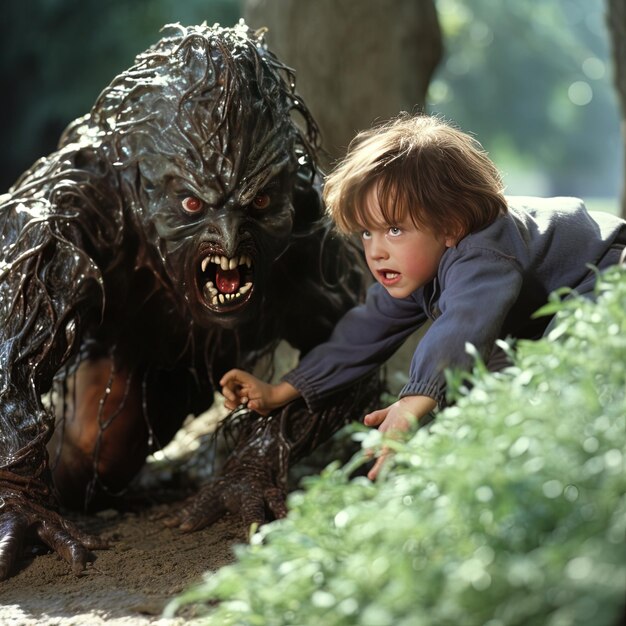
(444, 245)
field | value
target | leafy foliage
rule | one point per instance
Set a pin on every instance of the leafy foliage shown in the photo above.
(509, 510)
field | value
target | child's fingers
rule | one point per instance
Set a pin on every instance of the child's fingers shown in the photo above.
(229, 394)
(235, 395)
(376, 418)
(380, 461)
(373, 473)
(258, 407)
(233, 376)
(224, 380)
(237, 401)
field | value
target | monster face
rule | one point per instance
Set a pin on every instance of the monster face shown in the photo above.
(219, 250)
(229, 265)
(203, 135)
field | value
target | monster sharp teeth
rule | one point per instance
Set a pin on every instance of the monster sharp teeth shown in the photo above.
(210, 292)
(245, 288)
(214, 300)
(227, 263)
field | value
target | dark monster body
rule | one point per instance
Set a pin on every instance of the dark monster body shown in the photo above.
(176, 233)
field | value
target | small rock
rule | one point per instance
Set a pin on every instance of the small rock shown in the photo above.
(107, 514)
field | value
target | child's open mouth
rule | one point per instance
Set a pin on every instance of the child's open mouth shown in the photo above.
(388, 277)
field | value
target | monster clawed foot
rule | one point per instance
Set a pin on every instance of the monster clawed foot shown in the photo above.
(252, 495)
(22, 520)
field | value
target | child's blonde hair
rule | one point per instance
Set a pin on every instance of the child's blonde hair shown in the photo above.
(418, 166)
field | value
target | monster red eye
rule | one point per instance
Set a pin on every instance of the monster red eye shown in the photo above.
(261, 201)
(192, 204)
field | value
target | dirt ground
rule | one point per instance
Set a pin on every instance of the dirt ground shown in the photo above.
(130, 583)
(147, 564)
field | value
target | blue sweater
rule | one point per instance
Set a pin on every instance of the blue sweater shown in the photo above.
(487, 287)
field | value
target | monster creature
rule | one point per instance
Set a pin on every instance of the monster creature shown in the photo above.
(177, 232)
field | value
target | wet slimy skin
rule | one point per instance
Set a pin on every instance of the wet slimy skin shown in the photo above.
(177, 232)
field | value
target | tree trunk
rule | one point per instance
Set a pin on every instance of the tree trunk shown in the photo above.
(356, 61)
(616, 21)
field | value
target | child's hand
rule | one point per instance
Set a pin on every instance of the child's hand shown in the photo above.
(396, 418)
(239, 387)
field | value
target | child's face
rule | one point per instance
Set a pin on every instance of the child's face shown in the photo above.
(400, 256)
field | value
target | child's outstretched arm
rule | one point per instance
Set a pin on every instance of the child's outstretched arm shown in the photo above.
(239, 387)
(397, 417)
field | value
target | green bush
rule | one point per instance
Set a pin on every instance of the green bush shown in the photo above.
(509, 510)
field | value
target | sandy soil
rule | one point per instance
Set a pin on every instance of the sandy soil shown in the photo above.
(129, 584)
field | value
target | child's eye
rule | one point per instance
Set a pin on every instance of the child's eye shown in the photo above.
(366, 234)
(394, 231)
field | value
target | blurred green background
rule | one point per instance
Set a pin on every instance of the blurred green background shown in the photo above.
(532, 79)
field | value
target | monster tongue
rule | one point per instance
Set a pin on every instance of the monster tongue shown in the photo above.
(227, 281)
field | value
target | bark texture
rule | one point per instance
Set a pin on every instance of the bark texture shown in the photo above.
(356, 61)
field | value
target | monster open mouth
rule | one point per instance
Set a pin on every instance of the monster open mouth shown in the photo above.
(225, 283)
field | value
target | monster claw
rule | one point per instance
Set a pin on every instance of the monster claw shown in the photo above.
(276, 502)
(189, 526)
(91, 542)
(64, 545)
(201, 518)
(12, 531)
(171, 521)
(80, 557)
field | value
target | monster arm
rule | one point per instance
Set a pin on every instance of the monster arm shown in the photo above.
(37, 334)
(48, 286)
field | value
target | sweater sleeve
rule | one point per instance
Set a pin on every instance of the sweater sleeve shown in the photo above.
(478, 289)
(363, 339)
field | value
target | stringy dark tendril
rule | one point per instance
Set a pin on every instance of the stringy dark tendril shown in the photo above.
(14, 485)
